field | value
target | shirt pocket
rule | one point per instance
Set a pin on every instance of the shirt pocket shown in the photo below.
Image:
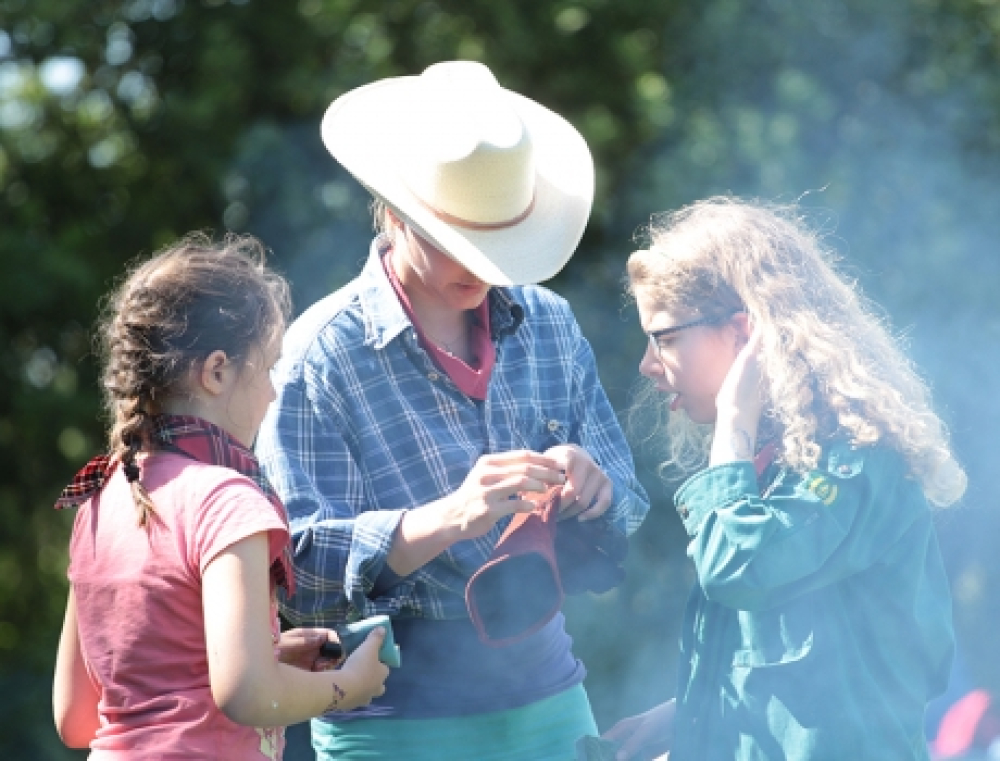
(539, 430)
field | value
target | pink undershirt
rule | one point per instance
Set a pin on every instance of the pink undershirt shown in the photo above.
(472, 380)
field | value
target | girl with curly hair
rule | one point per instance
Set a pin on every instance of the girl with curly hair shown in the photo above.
(820, 624)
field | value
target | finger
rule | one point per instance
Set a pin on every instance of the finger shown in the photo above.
(521, 474)
(523, 505)
(519, 457)
(571, 489)
(621, 730)
(601, 503)
(632, 745)
(325, 664)
(516, 504)
(368, 650)
(516, 486)
(572, 510)
(582, 485)
(366, 657)
(294, 638)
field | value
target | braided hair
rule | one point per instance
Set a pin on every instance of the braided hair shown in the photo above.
(165, 317)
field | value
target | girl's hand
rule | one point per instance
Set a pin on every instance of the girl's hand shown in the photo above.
(738, 405)
(363, 675)
(650, 731)
(494, 488)
(741, 393)
(588, 491)
(300, 648)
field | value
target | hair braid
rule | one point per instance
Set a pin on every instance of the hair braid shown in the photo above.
(169, 314)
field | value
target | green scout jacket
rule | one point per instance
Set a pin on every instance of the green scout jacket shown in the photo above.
(821, 623)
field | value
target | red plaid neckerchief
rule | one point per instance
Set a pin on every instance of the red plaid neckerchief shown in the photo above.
(202, 441)
(88, 481)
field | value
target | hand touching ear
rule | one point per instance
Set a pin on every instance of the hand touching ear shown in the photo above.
(741, 393)
(739, 405)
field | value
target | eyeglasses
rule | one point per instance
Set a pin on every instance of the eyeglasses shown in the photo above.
(655, 336)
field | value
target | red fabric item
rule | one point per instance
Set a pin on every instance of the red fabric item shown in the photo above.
(200, 440)
(537, 561)
(765, 457)
(205, 442)
(971, 722)
(87, 482)
(517, 591)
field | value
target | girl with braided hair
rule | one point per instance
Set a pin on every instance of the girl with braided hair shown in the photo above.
(820, 623)
(171, 646)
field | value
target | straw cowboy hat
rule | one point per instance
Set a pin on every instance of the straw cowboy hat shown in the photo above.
(498, 182)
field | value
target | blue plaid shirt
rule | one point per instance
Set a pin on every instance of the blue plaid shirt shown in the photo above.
(366, 426)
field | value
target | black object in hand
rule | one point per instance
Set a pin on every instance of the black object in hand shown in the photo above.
(332, 650)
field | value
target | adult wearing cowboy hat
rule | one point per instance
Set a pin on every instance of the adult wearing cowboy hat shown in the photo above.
(418, 406)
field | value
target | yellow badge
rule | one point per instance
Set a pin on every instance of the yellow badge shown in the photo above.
(820, 485)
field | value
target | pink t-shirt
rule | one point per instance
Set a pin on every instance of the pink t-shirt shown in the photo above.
(140, 610)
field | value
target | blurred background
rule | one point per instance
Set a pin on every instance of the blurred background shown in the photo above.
(126, 124)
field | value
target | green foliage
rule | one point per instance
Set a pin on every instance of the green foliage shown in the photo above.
(124, 124)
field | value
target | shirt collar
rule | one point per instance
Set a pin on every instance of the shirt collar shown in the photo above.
(385, 317)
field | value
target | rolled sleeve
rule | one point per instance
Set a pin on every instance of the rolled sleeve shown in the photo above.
(811, 529)
(371, 541)
(340, 547)
(710, 489)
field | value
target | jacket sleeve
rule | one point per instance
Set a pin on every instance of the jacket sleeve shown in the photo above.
(754, 552)
(601, 435)
(340, 547)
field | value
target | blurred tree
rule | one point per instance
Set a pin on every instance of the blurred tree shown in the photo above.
(124, 124)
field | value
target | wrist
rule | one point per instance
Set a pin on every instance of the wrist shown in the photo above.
(448, 522)
(735, 439)
(741, 416)
(341, 689)
(423, 533)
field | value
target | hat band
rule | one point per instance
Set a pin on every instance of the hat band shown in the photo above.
(451, 219)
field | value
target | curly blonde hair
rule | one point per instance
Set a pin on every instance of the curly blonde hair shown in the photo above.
(831, 364)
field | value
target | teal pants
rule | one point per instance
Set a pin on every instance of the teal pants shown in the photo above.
(543, 731)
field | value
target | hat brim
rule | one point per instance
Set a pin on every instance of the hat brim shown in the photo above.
(363, 129)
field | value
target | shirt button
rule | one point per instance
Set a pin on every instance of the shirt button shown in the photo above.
(683, 511)
(553, 425)
(432, 376)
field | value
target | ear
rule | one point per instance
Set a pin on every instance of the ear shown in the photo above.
(742, 328)
(213, 375)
